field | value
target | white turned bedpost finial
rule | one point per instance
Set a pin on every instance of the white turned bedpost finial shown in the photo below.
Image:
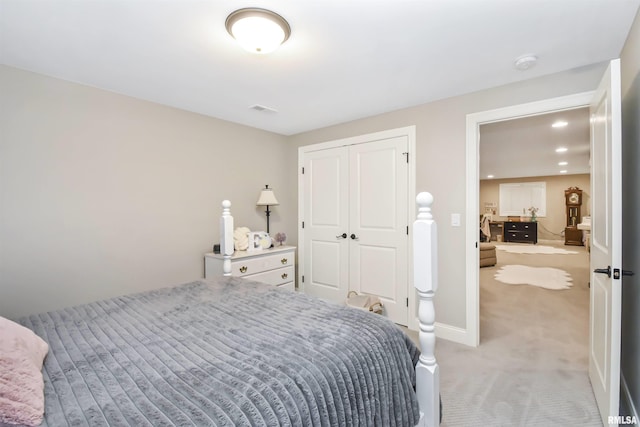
(425, 276)
(226, 237)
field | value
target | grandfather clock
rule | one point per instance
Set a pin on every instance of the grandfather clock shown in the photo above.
(573, 202)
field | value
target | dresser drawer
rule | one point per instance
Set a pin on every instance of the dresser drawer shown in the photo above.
(520, 226)
(521, 235)
(275, 266)
(276, 277)
(248, 266)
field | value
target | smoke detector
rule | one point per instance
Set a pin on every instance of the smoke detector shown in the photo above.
(525, 62)
(263, 108)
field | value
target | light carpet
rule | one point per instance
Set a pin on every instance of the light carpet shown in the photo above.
(531, 366)
(534, 249)
(544, 277)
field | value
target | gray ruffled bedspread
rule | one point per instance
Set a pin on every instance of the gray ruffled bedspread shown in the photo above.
(225, 353)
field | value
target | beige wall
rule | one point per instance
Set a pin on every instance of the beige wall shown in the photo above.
(552, 226)
(440, 157)
(103, 194)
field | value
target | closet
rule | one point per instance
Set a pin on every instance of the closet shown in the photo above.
(354, 219)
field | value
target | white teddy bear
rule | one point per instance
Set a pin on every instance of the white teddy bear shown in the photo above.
(240, 238)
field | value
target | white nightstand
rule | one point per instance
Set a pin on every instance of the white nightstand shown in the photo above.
(273, 266)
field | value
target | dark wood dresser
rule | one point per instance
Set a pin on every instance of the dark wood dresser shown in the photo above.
(524, 232)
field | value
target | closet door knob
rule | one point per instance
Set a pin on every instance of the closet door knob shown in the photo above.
(342, 236)
(354, 237)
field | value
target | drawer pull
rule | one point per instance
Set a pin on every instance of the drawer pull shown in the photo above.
(284, 275)
(243, 269)
(284, 260)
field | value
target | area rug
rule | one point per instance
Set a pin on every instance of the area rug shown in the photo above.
(544, 277)
(533, 249)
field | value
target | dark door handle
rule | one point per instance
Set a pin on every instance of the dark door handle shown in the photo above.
(627, 273)
(342, 236)
(606, 271)
(354, 237)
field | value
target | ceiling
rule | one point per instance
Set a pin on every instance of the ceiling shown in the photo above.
(345, 59)
(526, 147)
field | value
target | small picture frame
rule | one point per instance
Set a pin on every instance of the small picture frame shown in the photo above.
(258, 240)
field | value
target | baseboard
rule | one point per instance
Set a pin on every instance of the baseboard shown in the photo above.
(626, 395)
(452, 333)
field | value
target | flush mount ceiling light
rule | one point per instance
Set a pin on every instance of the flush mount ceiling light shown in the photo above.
(561, 149)
(258, 30)
(525, 62)
(559, 124)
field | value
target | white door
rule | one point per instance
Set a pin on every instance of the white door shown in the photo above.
(378, 223)
(326, 223)
(354, 210)
(606, 246)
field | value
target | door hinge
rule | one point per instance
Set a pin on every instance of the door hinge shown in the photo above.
(302, 224)
(407, 302)
(406, 154)
(303, 170)
(303, 279)
(407, 230)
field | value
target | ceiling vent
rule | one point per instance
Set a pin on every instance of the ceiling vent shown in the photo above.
(264, 108)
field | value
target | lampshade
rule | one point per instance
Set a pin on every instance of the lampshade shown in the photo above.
(267, 198)
(258, 30)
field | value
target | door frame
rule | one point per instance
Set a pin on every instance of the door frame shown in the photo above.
(471, 335)
(410, 133)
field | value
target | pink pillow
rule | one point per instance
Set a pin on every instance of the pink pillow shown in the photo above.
(21, 384)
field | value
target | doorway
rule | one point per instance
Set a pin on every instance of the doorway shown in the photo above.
(530, 162)
(474, 121)
(606, 235)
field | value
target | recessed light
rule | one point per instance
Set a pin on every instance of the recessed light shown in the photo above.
(563, 163)
(563, 171)
(489, 176)
(559, 124)
(561, 149)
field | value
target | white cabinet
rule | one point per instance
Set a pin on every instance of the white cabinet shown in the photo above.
(275, 266)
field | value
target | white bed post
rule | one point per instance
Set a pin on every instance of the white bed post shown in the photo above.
(226, 237)
(425, 276)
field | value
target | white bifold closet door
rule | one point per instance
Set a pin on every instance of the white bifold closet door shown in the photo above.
(356, 224)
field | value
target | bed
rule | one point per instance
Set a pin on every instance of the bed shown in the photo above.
(232, 352)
